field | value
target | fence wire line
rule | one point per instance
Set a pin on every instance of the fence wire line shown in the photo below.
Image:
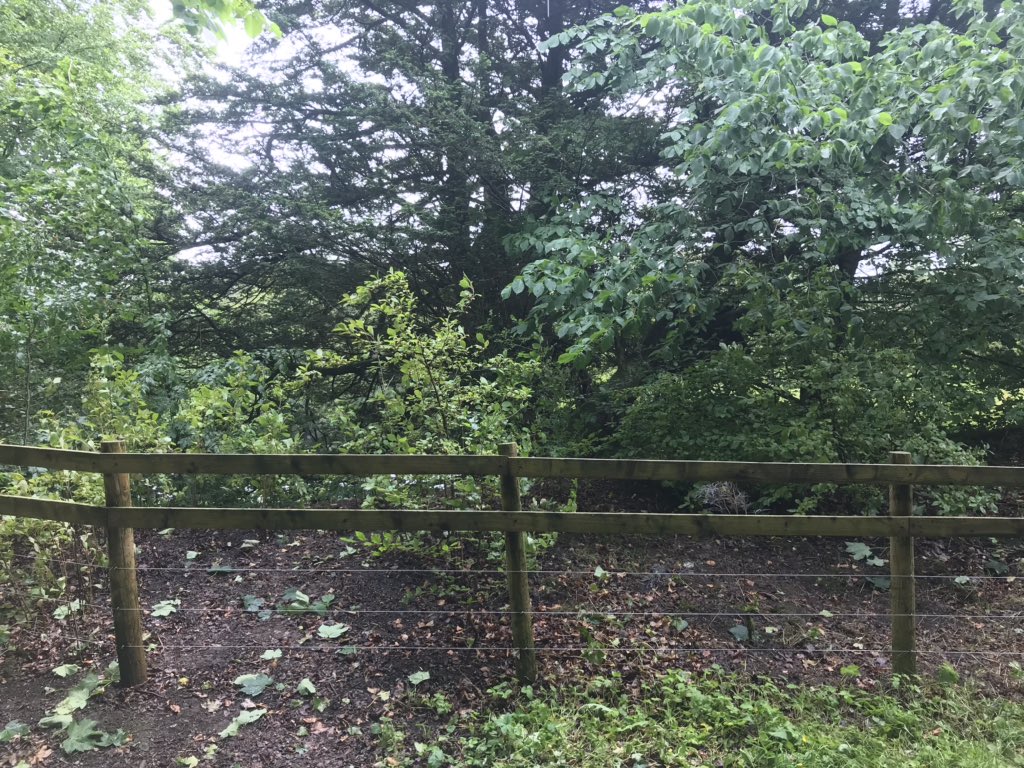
(536, 612)
(217, 570)
(573, 649)
(347, 649)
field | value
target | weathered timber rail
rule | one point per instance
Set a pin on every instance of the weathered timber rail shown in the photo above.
(280, 519)
(120, 518)
(763, 473)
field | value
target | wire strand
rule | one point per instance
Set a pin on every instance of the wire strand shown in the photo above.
(538, 612)
(575, 649)
(218, 570)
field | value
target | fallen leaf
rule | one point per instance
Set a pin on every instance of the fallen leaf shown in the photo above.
(41, 754)
(244, 718)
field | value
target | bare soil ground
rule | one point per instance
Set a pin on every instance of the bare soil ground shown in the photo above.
(797, 610)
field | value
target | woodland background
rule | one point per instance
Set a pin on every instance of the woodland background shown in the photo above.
(717, 230)
(723, 230)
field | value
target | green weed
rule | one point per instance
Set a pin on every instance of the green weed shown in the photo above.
(723, 722)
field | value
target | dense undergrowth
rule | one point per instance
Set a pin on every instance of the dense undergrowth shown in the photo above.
(399, 383)
(717, 721)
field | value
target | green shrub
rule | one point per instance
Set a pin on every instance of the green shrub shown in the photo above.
(846, 406)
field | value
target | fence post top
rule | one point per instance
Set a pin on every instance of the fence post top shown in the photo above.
(508, 449)
(112, 446)
(900, 457)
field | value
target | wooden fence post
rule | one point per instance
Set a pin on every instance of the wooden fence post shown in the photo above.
(124, 586)
(902, 587)
(518, 581)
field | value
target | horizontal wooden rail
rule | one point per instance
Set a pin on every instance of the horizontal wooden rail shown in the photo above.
(500, 520)
(52, 458)
(564, 522)
(61, 511)
(245, 518)
(120, 518)
(767, 473)
(250, 464)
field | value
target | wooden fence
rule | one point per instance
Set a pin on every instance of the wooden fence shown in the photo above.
(120, 518)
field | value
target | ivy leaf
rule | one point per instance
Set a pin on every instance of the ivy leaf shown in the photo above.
(253, 685)
(998, 567)
(165, 608)
(740, 633)
(60, 722)
(13, 730)
(63, 611)
(306, 687)
(251, 603)
(78, 696)
(321, 605)
(419, 677)
(294, 601)
(245, 717)
(829, 21)
(332, 631)
(84, 736)
(858, 550)
(880, 582)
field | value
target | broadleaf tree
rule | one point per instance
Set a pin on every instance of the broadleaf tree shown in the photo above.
(821, 204)
(77, 86)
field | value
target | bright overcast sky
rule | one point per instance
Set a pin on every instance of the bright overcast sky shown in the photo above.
(229, 51)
